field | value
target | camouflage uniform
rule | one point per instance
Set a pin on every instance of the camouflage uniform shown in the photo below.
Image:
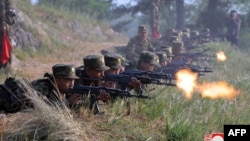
(93, 62)
(136, 45)
(47, 87)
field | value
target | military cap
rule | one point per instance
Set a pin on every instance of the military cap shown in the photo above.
(177, 45)
(95, 62)
(65, 71)
(125, 62)
(149, 57)
(186, 30)
(163, 47)
(113, 61)
(194, 33)
(175, 33)
(168, 51)
(174, 38)
(162, 56)
(143, 28)
(170, 30)
(186, 35)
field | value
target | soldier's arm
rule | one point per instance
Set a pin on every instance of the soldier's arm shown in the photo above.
(151, 47)
(238, 28)
(130, 50)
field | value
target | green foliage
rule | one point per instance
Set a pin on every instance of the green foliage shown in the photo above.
(89, 7)
(214, 19)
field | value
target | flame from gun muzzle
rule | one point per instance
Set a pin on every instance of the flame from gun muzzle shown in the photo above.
(221, 57)
(216, 90)
(186, 81)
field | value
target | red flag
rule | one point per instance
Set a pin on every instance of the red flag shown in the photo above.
(6, 49)
(155, 34)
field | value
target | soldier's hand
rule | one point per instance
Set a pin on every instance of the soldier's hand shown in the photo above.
(134, 83)
(74, 99)
(103, 95)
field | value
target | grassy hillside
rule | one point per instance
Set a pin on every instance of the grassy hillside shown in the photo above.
(168, 116)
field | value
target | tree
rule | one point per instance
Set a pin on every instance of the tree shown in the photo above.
(180, 14)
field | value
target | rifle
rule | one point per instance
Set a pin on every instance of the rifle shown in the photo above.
(158, 76)
(86, 90)
(194, 55)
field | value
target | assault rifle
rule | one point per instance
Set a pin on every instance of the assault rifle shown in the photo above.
(86, 90)
(153, 75)
(194, 55)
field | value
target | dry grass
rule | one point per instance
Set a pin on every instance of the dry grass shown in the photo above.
(44, 122)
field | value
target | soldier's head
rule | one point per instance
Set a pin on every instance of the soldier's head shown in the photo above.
(148, 61)
(114, 63)
(94, 66)
(163, 58)
(194, 34)
(174, 38)
(124, 62)
(177, 47)
(186, 30)
(64, 75)
(233, 14)
(169, 52)
(143, 31)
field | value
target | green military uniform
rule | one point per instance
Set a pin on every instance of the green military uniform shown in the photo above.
(48, 88)
(92, 62)
(136, 45)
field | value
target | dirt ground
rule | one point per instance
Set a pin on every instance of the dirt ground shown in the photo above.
(35, 68)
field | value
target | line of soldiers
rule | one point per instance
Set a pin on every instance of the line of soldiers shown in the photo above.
(106, 77)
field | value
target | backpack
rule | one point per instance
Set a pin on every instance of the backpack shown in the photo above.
(13, 95)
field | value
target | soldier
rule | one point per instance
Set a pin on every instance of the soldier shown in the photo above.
(155, 19)
(115, 66)
(124, 62)
(148, 61)
(93, 69)
(168, 50)
(114, 63)
(53, 86)
(233, 28)
(162, 58)
(177, 49)
(138, 44)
